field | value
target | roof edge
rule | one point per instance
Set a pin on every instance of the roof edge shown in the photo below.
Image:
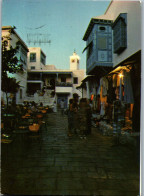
(95, 21)
(13, 31)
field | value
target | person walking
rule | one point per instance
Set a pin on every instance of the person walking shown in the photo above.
(54, 107)
(62, 106)
(75, 112)
(89, 115)
(82, 118)
(70, 118)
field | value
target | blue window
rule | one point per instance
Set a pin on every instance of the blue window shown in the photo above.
(102, 43)
(120, 33)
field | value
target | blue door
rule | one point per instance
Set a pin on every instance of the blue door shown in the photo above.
(65, 98)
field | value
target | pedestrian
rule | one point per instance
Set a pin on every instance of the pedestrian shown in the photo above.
(70, 118)
(33, 107)
(62, 106)
(75, 107)
(83, 118)
(41, 104)
(54, 107)
(89, 115)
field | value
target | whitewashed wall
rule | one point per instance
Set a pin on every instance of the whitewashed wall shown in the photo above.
(133, 10)
(22, 78)
(38, 65)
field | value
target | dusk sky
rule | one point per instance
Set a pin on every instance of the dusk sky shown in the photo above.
(62, 22)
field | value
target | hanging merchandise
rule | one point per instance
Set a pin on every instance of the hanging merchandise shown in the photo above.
(117, 93)
(128, 92)
(92, 97)
(102, 98)
(131, 110)
(115, 80)
(104, 84)
(118, 80)
(102, 111)
(98, 90)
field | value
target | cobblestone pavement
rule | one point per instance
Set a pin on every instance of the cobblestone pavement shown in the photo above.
(54, 164)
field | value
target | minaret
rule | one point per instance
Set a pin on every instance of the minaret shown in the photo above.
(74, 61)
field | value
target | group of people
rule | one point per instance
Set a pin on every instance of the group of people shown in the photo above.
(79, 117)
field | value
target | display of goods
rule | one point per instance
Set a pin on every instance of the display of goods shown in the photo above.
(40, 108)
(39, 115)
(43, 111)
(22, 127)
(34, 127)
(27, 114)
(5, 138)
(5, 141)
(29, 111)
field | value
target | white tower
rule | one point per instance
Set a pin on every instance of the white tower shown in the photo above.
(74, 61)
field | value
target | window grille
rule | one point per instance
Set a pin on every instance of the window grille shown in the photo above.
(102, 43)
(120, 33)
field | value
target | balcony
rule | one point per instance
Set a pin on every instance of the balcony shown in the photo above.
(63, 87)
(34, 78)
(60, 89)
(63, 84)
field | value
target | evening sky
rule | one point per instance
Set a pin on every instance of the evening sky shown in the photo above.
(62, 22)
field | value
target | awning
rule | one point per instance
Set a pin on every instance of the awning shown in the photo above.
(88, 77)
(127, 63)
(119, 69)
(83, 85)
(90, 44)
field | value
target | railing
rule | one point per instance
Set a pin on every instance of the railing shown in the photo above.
(30, 94)
(63, 84)
(34, 78)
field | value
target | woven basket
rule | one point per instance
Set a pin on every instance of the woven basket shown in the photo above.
(34, 127)
(39, 115)
(43, 111)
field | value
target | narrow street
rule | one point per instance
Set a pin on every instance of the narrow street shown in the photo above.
(53, 164)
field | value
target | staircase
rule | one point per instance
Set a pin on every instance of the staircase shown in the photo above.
(46, 99)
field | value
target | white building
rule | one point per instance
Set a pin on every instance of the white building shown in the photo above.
(47, 84)
(113, 40)
(74, 61)
(36, 59)
(12, 39)
(126, 16)
(41, 82)
(129, 13)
